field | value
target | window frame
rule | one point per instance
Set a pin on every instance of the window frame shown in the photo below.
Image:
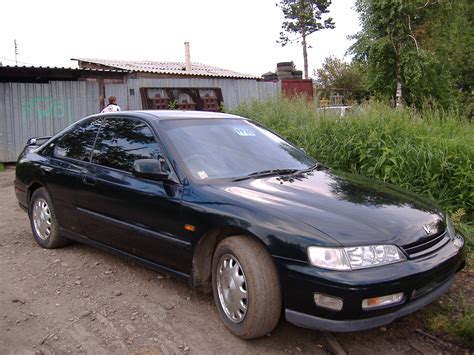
(153, 132)
(69, 129)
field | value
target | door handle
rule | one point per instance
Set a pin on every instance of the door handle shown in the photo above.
(88, 180)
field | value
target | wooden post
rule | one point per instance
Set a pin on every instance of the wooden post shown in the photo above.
(398, 95)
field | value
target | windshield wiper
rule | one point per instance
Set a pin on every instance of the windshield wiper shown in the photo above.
(266, 173)
(311, 168)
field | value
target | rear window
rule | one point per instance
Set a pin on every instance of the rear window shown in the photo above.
(77, 143)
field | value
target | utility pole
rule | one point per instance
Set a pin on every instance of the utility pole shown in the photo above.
(16, 52)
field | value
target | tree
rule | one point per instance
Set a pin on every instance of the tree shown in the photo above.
(451, 38)
(302, 18)
(416, 51)
(335, 74)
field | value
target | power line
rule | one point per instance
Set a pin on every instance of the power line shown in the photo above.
(16, 61)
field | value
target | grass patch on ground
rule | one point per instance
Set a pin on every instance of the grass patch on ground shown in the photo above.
(454, 317)
(2, 167)
(467, 229)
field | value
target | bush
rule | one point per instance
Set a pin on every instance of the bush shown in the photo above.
(430, 153)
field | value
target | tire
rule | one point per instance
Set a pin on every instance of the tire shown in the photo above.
(258, 277)
(43, 221)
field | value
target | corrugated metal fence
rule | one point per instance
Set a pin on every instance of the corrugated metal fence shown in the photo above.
(234, 91)
(29, 110)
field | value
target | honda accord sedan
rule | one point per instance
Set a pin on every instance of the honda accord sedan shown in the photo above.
(232, 208)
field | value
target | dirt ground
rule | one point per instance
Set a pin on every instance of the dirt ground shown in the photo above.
(81, 300)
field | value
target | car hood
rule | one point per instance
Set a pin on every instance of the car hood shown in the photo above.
(351, 209)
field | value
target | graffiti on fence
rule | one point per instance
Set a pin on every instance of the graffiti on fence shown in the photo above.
(45, 107)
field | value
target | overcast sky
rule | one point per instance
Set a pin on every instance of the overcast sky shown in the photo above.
(239, 35)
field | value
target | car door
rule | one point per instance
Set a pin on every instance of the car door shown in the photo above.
(138, 216)
(63, 170)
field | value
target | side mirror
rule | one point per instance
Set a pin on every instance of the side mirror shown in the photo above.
(150, 169)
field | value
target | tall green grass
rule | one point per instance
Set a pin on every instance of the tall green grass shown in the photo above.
(430, 153)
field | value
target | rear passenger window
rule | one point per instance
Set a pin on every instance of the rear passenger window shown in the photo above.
(78, 142)
(121, 141)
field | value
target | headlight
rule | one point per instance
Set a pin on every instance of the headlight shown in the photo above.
(329, 258)
(373, 255)
(354, 257)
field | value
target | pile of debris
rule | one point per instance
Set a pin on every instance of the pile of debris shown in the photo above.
(284, 71)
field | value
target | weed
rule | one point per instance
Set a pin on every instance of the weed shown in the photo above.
(454, 317)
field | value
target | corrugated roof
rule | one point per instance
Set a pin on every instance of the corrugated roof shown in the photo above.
(39, 74)
(64, 68)
(175, 68)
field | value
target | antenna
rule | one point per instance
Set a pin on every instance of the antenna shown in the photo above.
(16, 52)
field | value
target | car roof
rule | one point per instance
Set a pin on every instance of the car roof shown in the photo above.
(174, 114)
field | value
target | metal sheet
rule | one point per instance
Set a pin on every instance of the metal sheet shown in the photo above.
(121, 92)
(28, 110)
(234, 91)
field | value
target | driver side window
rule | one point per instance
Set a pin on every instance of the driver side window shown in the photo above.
(121, 141)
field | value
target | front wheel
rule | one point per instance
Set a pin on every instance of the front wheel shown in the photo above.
(246, 287)
(43, 221)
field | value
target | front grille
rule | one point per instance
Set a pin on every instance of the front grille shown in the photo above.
(427, 246)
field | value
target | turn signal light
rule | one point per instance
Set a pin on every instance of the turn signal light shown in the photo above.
(189, 227)
(382, 301)
(329, 302)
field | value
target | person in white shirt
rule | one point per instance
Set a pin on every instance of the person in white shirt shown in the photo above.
(112, 106)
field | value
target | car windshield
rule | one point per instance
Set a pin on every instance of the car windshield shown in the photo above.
(231, 148)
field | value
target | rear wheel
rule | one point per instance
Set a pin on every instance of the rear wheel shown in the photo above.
(246, 287)
(43, 221)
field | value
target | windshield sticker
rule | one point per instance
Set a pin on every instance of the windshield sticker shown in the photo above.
(202, 174)
(244, 132)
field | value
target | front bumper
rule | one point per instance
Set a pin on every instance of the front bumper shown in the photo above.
(313, 322)
(422, 281)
